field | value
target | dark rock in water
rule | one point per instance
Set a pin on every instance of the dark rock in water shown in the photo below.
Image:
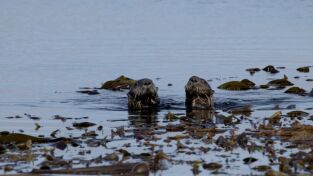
(295, 90)
(304, 69)
(270, 69)
(281, 67)
(143, 94)
(169, 84)
(244, 84)
(121, 82)
(199, 94)
(297, 77)
(280, 82)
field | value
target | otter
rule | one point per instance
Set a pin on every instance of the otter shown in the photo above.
(143, 95)
(199, 94)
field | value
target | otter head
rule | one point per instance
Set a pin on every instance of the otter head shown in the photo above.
(199, 94)
(143, 95)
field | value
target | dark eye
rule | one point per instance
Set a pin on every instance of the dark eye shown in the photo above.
(147, 83)
(194, 80)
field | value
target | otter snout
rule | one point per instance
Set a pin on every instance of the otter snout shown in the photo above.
(199, 94)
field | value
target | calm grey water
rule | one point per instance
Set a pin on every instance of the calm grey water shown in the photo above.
(48, 49)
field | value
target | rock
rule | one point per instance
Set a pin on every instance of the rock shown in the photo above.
(244, 84)
(280, 82)
(121, 82)
(270, 69)
(295, 90)
(304, 69)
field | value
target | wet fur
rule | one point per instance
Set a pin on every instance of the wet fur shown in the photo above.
(199, 94)
(143, 95)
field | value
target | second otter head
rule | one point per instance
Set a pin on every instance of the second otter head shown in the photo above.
(143, 95)
(199, 94)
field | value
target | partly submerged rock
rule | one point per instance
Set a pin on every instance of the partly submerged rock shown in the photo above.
(280, 82)
(304, 69)
(270, 69)
(295, 90)
(244, 84)
(121, 82)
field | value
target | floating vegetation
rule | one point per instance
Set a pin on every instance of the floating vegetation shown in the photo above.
(280, 82)
(119, 83)
(304, 69)
(244, 84)
(296, 90)
(238, 135)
